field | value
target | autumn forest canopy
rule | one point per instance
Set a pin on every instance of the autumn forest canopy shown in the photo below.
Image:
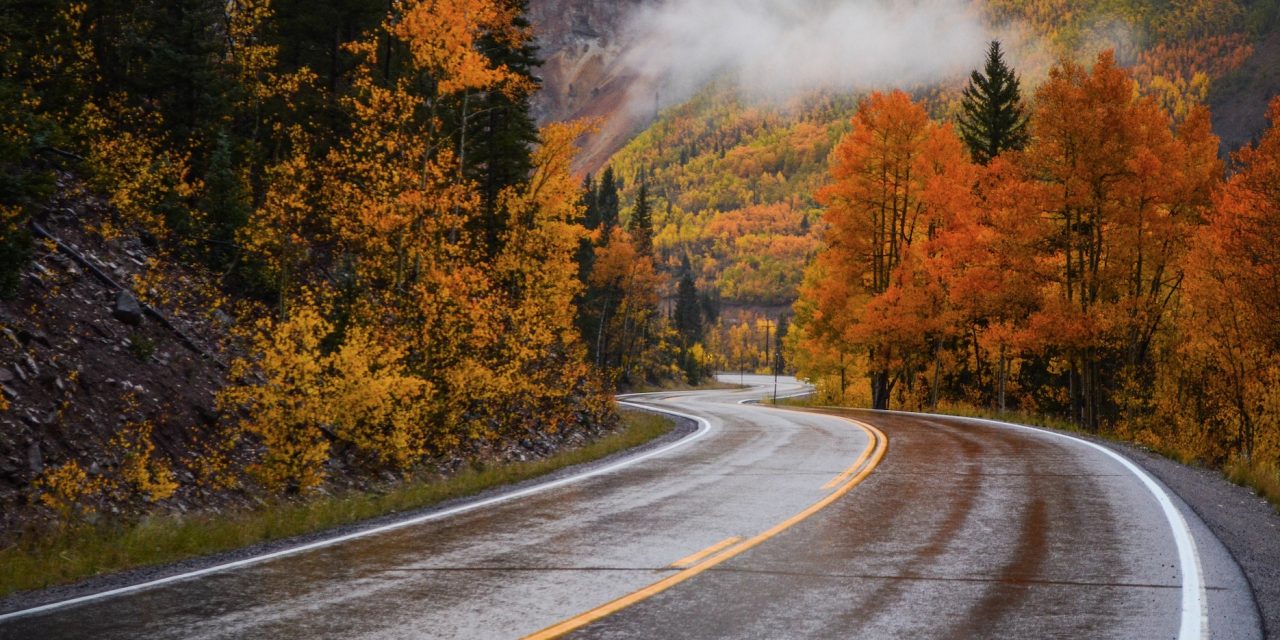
(412, 274)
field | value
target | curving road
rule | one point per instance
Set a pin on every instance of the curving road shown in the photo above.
(764, 523)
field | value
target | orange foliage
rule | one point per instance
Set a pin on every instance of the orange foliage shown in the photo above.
(897, 179)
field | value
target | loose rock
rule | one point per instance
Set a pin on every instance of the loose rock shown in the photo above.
(127, 309)
(35, 460)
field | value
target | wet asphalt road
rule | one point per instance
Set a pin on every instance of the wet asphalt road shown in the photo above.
(962, 530)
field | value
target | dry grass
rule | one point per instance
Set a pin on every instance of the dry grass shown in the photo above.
(1262, 477)
(43, 560)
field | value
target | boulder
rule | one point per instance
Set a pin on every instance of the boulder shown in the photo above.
(127, 309)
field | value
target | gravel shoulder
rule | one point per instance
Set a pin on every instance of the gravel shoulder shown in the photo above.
(1246, 524)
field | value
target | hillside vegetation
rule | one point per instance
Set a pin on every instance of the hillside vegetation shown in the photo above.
(273, 248)
(734, 180)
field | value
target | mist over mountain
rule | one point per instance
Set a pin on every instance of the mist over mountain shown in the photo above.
(622, 62)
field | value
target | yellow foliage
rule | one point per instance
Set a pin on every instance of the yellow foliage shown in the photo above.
(297, 396)
(140, 472)
(442, 37)
(287, 410)
(66, 489)
(377, 407)
(275, 233)
(141, 176)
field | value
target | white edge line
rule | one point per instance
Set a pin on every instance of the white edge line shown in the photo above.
(1195, 618)
(704, 427)
(798, 394)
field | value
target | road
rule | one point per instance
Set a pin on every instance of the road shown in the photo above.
(765, 523)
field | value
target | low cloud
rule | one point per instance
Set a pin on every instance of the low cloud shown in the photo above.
(774, 49)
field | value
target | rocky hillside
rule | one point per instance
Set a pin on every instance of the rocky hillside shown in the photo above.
(582, 43)
(89, 371)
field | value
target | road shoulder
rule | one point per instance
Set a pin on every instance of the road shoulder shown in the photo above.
(108, 582)
(1245, 523)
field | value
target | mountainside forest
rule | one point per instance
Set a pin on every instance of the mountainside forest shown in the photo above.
(735, 178)
(270, 248)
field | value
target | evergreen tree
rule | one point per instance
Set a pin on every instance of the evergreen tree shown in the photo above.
(607, 199)
(688, 309)
(642, 221)
(225, 203)
(590, 208)
(993, 118)
(500, 130)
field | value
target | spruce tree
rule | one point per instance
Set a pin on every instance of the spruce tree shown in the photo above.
(688, 310)
(501, 131)
(607, 199)
(590, 210)
(993, 119)
(642, 221)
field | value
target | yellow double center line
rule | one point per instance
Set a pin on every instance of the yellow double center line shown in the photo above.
(726, 549)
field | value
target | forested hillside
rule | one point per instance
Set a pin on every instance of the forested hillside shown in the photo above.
(265, 247)
(735, 177)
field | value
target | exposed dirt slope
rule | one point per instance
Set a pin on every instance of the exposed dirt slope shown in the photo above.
(77, 362)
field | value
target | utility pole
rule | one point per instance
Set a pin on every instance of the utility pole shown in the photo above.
(774, 364)
(769, 326)
(742, 361)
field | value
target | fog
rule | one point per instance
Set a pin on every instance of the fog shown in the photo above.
(779, 48)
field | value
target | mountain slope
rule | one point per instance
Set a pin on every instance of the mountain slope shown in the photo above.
(735, 179)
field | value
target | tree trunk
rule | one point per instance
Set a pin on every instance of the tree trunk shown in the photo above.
(880, 390)
(1004, 368)
(937, 370)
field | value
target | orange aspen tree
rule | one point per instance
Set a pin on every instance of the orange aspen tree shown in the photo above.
(1123, 193)
(988, 256)
(892, 179)
(1229, 343)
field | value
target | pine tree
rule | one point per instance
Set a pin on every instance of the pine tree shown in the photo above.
(500, 129)
(993, 120)
(688, 310)
(642, 221)
(607, 199)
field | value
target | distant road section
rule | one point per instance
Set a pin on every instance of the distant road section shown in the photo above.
(764, 523)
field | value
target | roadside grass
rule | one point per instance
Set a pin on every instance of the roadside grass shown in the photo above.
(41, 559)
(1263, 478)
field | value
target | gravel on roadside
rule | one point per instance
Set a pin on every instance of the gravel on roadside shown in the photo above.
(1246, 524)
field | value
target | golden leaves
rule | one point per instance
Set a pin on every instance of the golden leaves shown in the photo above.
(443, 39)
